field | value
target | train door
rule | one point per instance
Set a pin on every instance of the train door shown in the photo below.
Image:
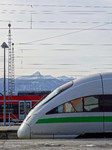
(107, 109)
(24, 107)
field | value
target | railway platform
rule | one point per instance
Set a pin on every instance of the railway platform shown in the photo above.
(8, 132)
(56, 144)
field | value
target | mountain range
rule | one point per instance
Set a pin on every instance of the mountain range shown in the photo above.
(37, 82)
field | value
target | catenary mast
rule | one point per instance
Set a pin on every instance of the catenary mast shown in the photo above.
(11, 73)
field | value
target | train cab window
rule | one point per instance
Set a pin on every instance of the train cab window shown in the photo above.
(97, 103)
(91, 104)
(60, 109)
(69, 107)
(55, 93)
(73, 106)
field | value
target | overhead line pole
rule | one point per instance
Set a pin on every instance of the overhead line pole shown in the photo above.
(4, 45)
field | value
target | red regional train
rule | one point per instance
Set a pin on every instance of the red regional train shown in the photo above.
(18, 106)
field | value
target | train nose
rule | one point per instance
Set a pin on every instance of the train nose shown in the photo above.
(24, 131)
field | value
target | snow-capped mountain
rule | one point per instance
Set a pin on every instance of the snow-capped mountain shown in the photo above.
(37, 82)
(35, 76)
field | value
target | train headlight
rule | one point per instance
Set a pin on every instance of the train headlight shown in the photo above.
(29, 119)
(24, 131)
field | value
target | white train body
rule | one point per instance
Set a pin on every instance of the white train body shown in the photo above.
(78, 107)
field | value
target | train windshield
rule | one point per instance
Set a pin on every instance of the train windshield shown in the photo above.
(55, 92)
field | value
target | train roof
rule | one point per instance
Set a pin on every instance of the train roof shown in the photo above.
(93, 77)
(97, 84)
(100, 83)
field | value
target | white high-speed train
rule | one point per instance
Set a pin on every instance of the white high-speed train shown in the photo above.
(78, 107)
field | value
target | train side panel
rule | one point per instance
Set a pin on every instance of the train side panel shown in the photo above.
(68, 124)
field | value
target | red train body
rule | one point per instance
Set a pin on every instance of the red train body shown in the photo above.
(18, 107)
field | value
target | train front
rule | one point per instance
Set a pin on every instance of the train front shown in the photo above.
(24, 131)
(29, 128)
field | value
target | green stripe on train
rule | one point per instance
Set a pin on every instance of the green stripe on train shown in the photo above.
(108, 118)
(75, 119)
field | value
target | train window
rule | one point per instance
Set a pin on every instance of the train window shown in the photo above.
(71, 106)
(22, 108)
(67, 107)
(91, 104)
(27, 107)
(48, 98)
(77, 105)
(9, 109)
(105, 103)
(55, 111)
(60, 109)
(98, 103)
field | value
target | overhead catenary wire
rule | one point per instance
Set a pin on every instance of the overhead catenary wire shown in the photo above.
(46, 9)
(54, 5)
(66, 34)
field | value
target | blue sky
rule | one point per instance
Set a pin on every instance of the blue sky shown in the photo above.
(62, 37)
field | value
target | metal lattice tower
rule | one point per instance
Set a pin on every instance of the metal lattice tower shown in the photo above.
(11, 73)
(9, 62)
